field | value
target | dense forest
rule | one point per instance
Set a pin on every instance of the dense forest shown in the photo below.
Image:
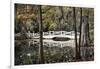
(54, 18)
(39, 19)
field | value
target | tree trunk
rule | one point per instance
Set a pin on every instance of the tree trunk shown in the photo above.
(80, 30)
(84, 35)
(41, 55)
(88, 31)
(61, 19)
(75, 29)
(85, 39)
(15, 9)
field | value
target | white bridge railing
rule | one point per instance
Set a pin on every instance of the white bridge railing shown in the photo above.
(53, 33)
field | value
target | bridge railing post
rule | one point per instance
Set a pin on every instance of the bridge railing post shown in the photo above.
(33, 34)
(28, 33)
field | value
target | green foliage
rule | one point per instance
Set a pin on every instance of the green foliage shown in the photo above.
(53, 18)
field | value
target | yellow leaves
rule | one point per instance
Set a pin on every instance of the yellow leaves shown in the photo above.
(25, 16)
(53, 26)
(25, 12)
(19, 16)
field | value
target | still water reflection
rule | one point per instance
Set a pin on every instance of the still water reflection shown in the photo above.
(27, 52)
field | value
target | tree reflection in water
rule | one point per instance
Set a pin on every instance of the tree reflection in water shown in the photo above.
(27, 52)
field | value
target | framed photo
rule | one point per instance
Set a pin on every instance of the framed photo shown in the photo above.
(51, 33)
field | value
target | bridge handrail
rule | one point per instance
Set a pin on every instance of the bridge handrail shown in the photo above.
(52, 33)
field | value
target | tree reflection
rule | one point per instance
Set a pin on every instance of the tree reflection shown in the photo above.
(27, 52)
